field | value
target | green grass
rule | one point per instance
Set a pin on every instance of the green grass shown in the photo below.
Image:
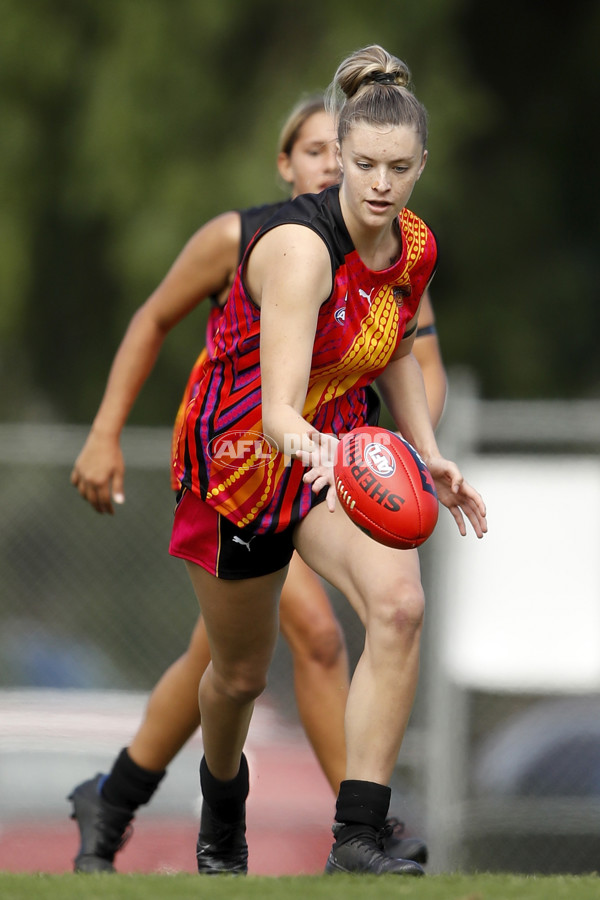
(314, 887)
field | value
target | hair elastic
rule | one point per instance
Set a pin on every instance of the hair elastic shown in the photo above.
(384, 78)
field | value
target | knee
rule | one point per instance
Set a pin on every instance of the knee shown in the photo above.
(239, 686)
(319, 641)
(326, 645)
(400, 609)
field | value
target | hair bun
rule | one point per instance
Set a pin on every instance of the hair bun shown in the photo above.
(354, 94)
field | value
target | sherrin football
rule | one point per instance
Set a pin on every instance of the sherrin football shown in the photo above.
(385, 487)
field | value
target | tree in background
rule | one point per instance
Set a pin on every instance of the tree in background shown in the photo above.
(127, 124)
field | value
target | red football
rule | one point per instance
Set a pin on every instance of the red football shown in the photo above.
(385, 487)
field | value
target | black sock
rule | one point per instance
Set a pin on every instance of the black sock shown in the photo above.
(129, 785)
(225, 798)
(363, 803)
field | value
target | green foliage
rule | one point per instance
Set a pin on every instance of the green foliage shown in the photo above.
(127, 124)
(522, 281)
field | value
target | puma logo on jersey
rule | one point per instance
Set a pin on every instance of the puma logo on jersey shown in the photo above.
(246, 544)
(365, 295)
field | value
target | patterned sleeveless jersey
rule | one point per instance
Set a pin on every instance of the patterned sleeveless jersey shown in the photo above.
(223, 454)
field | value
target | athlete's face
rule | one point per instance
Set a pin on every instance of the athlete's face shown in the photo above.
(312, 164)
(380, 168)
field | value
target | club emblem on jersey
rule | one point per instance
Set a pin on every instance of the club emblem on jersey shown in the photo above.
(400, 292)
(340, 313)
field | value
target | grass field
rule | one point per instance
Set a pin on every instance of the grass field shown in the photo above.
(316, 887)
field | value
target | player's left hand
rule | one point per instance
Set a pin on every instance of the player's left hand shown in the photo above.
(458, 496)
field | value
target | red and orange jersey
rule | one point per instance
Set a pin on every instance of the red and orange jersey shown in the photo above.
(224, 456)
(190, 392)
(250, 221)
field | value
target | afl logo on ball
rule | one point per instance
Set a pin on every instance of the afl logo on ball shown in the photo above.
(379, 459)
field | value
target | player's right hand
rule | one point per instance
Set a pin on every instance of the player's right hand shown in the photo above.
(318, 455)
(99, 472)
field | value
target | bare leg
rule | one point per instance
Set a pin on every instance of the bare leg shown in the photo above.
(242, 624)
(321, 678)
(384, 587)
(321, 682)
(172, 714)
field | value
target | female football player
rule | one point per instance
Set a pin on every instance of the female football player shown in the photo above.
(104, 806)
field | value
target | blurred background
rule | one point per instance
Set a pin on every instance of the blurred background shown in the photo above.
(125, 126)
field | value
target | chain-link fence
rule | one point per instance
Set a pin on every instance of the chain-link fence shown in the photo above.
(95, 601)
(512, 649)
(87, 600)
(499, 779)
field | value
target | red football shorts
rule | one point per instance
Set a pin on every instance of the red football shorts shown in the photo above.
(203, 536)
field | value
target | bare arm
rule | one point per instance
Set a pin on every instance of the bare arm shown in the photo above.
(402, 388)
(204, 267)
(289, 275)
(403, 391)
(427, 351)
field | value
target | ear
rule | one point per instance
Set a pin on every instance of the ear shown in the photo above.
(284, 167)
(338, 156)
(422, 166)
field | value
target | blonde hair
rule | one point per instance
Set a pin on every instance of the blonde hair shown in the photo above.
(303, 110)
(373, 86)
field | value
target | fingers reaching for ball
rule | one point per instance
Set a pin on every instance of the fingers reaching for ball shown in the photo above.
(386, 488)
(470, 504)
(318, 450)
(458, 496)
(318, 454)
